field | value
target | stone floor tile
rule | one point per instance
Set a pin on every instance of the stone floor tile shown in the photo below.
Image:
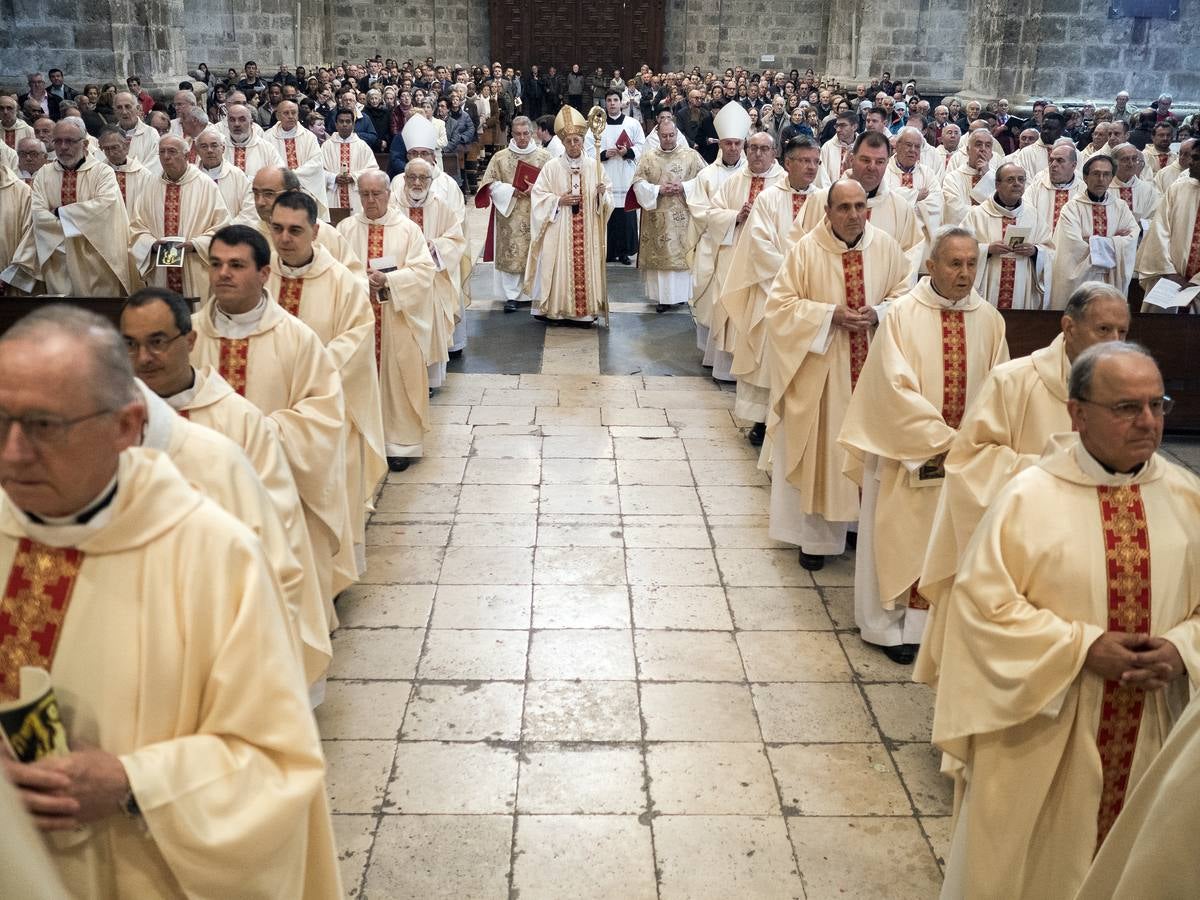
(461, 396)
(593, 654)
(498, 499)
(353, 837)
(582, 711)
(408, 534)
(582, 382)
(659, 500)
(446, 470)
(632, 415)
(796, 713)
(440, 446)
(403, 565)
(869, 663)
(920, 769)
(671, 606)
(699, 711)
(671, 400)
(643, 431)
(602, 398)
(581, 779)
(727, 471)
(904, 711)
(512, 531)
(579, 529)
(487, 565)
(654, 471)
(363, 710)
(501, 415)
(386, 605)
(791, 655)
(840, 604)
(512, 397)
(441, 857)
(735, 500)
(473, 654)
(838, 572)
(671, 566)
(711, 779)
(890, 858)
(679, 383)
(488, 470)
(482, 606)
(465, 711)
(448, 415)
(664, 448)
(583, 858)
(485, 380)
(570, 565)
(507, 446)
(664, 532)
(389, 653)
(838, 780)
(691, 417)
(435, 777)
(567, 415)
(580, 606)
(687, 656)
(780, 609)
(725, 856)
(731, 449)
(417, 498)
(559, 499)
(356, 774)
(577, 446)
(762, 568)
(578, 471)
(940, 830)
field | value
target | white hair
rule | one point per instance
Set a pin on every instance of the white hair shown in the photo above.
(908, 129)
(77, 123)
(948, 233)
(211, 132)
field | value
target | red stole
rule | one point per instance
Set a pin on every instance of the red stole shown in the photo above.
(289, 147)
(70, 181)
(1099, 220)
(344, 189)
(856, 298)
(290, 290)
(239, 157)
(234, 360)
(374, 251)
(798, 203)
(974, 183)
(417, 214)
(1060, 200)
(1008, 272)
(171, 203)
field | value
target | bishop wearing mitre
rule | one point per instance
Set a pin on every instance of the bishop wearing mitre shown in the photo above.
(182, 204)
(667, 234)
(506, 186)
(346, 156)
(782, 214)
(569, 207)
(1072, 639)
(832, 288)
(323, 294)
(927, 362)
(278, 363)
(400, 275)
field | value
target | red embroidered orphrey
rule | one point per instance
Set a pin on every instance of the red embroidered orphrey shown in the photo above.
(417, 214)
(289, 147)
(579, 264)
(171, 204)
(32, 609)
(121, 184)
(906, 179)
(1127, 195)
(10, 137)
(856, 298)
(234, 361)
(1193, 261)
(70, 179)
(756, 186)
(290, 290)
(1127, 568)
(954, 366)
(239, 157)
(798, 203)
(344, 189)
(374, 251)
(1008, 272)
(974, 182)
(1099, 220)
(1060, 200)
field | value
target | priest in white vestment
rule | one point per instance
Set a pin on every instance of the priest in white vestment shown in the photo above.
(782, 214)
(732, 124)
(620, 149)
(231, 182)
(132, 176)
(1013, 270)
(16, 224)
(886, 209)
(300, 152)
(1071, 640)
(1135, 192)
(570, 204)
(836, 152)
(247, 149)
(1167, 176)
(1159, 153)
(508, 222)
(13, 129)
(195, 768)
(968, 185)
(1020, 405)
(1035, 158)
(1172, 246)
(278, 363)
(668, 236)
(143, 140)
(1050, 190)
(913, 181)
(156, 325)
(181, 204)
(927, 362)
(833, 287)
(345, 157)
(1096, 237)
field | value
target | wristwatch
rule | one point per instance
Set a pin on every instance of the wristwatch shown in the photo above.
(130, 807)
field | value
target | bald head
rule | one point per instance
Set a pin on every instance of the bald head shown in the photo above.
(269, 183)
(287, 114)
(237, 117)
(846, 210)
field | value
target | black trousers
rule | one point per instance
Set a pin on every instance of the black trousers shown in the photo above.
(622, 231)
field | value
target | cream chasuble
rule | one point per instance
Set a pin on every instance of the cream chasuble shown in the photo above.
(1141, 197)
(888, 212)
(84, 250)
(910, 185)
(301, 153)
(201, 697)
(329, 238)
(926, 364)
(132, 179)
(1156, 162)
(13, 136)
(957, 188)
(443, 232)
(256, 153)
(510, 208)
(351, 156)
(212, 403)
(190, 208)
(29, 872)
(667, 236)
(235, 192)
(1168, 176)
(9, 159)
(280, 366)
(815, 365)
(1172, 246)
(701, 193)
(835, 160)
(143, 146)
(1044, 752)
(404, 323)
(564, 272)
(1006, 280)
(1081, 221)
(16, 234)
(1019, 406)
(335, 305)
(1034, 159)
(780, 217)
(1048, 199)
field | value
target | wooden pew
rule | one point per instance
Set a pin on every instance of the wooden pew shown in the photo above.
(14, 308)
(1174, 341)
(337, 214)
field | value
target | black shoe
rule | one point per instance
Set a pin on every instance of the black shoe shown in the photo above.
(661, 308)
(609, 259)
(757, 434)
(398, 463)
(851, 540)
(811, 562)
(510, 306)
(544, 319)
(625, 260)
(455, 354)
(901, 654)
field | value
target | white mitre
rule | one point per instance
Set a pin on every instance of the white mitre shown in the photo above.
(732, 122)
(419, 133)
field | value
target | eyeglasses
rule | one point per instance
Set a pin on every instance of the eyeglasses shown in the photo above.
(418, 179)
(265, 194)
(1128, 410)
(44, 431)
(156, 343)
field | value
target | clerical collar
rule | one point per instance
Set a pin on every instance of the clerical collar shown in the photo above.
(947, 301)
(244, 142)
(239, 325)
(996, 199)
(850, 245)
(871, 194)
(297, 271)
(1064, 186)
(214, 173)
(289, 134)
(1087, 456)
(85, 515)
(74, 168)
(181, 399)
(617, 121)
(907, 171)
(1096, 199)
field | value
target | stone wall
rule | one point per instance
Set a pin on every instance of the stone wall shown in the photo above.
(919, 39)
(740, 32)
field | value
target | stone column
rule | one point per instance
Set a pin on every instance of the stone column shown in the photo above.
(149, 40)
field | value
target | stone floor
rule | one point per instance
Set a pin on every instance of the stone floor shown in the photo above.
(578, 667)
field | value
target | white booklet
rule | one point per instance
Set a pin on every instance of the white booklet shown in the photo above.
(1104, 254)
(1166, 294)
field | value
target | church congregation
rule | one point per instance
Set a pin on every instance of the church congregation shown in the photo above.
(290, 261)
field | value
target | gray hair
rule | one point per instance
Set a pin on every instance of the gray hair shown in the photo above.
(212, 132)
(1086, 294)
(77, 123)
(1084, 368)
(377, 173)
(949, 233)
(196, 114)
(111, 377)
(522, 120)
(908, 129)
(190, 96)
